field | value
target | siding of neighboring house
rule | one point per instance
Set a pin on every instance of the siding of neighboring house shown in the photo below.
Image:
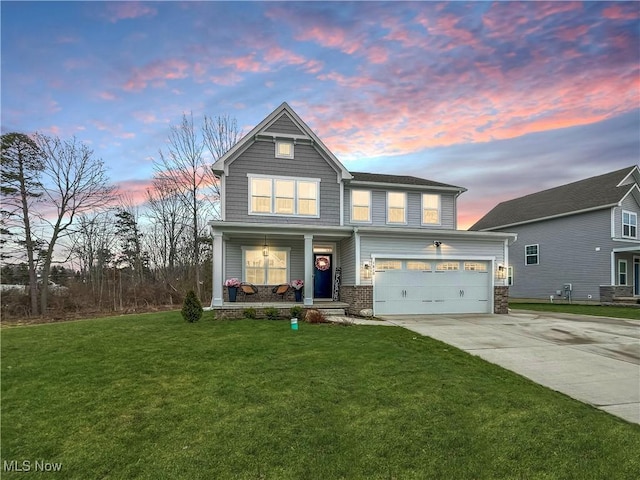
(260, 158)
(284, 125)
(420, 247)
(574, 249)
(414, 209)
(629, 204)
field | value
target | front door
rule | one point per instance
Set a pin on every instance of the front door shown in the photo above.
(636, 276)
(322, 279)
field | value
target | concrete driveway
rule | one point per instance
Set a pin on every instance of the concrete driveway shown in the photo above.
(593, 359)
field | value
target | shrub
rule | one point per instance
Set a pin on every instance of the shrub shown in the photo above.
(315, 316)
(191, 308)
(271, 313)
(296, 311)
(249, 312)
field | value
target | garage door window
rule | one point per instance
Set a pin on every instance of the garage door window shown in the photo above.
(475, 267)
(417, 265)
(448, 266)
(388, 265)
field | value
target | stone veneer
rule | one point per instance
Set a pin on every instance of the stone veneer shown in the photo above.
(608, 293)
(500, 299)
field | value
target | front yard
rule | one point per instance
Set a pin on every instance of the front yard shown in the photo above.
(151, 396)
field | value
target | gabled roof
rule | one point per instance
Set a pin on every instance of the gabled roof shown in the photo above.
(363, 177)
(221, 165)
(603, 191)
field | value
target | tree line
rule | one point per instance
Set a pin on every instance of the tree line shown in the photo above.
(61, 211)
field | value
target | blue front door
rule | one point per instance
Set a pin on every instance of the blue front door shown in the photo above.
(636, 276)
(322, 280)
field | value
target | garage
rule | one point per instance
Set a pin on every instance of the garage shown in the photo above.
(405, 286)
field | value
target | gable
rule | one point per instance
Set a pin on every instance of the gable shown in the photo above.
(284, 125)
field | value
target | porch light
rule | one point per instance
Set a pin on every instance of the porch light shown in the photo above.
(265, 248)
(437, 244)
(501, 273)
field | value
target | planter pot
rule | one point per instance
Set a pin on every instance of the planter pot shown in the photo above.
(233, 292)
(298, 294)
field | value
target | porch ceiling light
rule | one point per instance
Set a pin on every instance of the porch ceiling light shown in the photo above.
(265, 248)
(436, 243)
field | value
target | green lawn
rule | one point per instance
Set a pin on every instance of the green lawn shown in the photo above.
(595, 310)
(150, 396)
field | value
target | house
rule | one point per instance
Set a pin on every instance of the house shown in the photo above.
(577, 241)
(386, 243)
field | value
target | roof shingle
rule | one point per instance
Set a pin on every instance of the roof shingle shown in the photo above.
(400, 179)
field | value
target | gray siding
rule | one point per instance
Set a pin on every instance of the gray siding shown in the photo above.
(284, 125)
(260, 158)
(574, 250)
(414, 209)
(423, 247)
(347, 260)
(630, 205)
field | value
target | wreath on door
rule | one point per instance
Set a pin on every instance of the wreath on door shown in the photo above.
(322, 263)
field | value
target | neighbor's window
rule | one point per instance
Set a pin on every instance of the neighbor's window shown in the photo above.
(510, 276)
(531, 255)
(361, 205)
(261, 270)
(629, 224)
(396, 207)
(622, 272)
(430, 209)
(284, 149)
(283, 196)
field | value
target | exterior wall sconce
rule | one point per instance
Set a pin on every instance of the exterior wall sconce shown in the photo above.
(366, 270)
(437, 244)
(265, 248)
(502, 272)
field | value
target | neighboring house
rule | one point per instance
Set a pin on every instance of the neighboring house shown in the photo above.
(578, 240)
(291, 210)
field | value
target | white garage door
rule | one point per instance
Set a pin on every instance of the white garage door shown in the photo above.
(423, 286)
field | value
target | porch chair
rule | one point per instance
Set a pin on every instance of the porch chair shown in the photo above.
(248, 289)
(281, 290)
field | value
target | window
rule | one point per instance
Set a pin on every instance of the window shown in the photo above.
(417, 265)
(629, 224)
(475, 267)
(447, 266)
(622, 272)
(284, 149)
(283, 196)
(261, 270)
(510, 276)
(360, 205)
(388, 265)
(430, 209)
(531, 255)
(396, 207)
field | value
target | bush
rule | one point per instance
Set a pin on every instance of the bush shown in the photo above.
(249, 312)
(271, 313)
(191, 308)
(296, 312)
(315, 316)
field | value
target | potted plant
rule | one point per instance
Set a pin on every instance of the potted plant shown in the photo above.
(297, 289)
(232, 285)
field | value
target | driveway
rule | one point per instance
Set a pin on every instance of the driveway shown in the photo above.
(593, 359)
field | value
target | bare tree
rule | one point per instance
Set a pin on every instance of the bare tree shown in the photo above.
(75, 182)
(22, 166)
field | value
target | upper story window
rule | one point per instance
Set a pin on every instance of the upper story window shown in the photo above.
(284, 149)
(396, 207)
(430, 209)
(629, 224)
(283, 196)
(531, 256)
(361, 205)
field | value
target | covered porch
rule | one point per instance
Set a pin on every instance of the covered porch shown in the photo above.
(266, 255)
(625, 277)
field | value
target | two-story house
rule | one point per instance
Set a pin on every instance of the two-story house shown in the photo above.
(389, 243)
(577, 241)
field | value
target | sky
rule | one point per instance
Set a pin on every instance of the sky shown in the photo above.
(501, 98)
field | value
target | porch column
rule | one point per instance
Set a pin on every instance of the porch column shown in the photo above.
(308, 269)
(216, 298)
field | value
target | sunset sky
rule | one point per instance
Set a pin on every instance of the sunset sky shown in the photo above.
(502, 98)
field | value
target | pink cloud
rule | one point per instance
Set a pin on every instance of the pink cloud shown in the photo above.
(618, 12)
(156, 73)
(245, 63)
(116, 11)
(108, 96)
